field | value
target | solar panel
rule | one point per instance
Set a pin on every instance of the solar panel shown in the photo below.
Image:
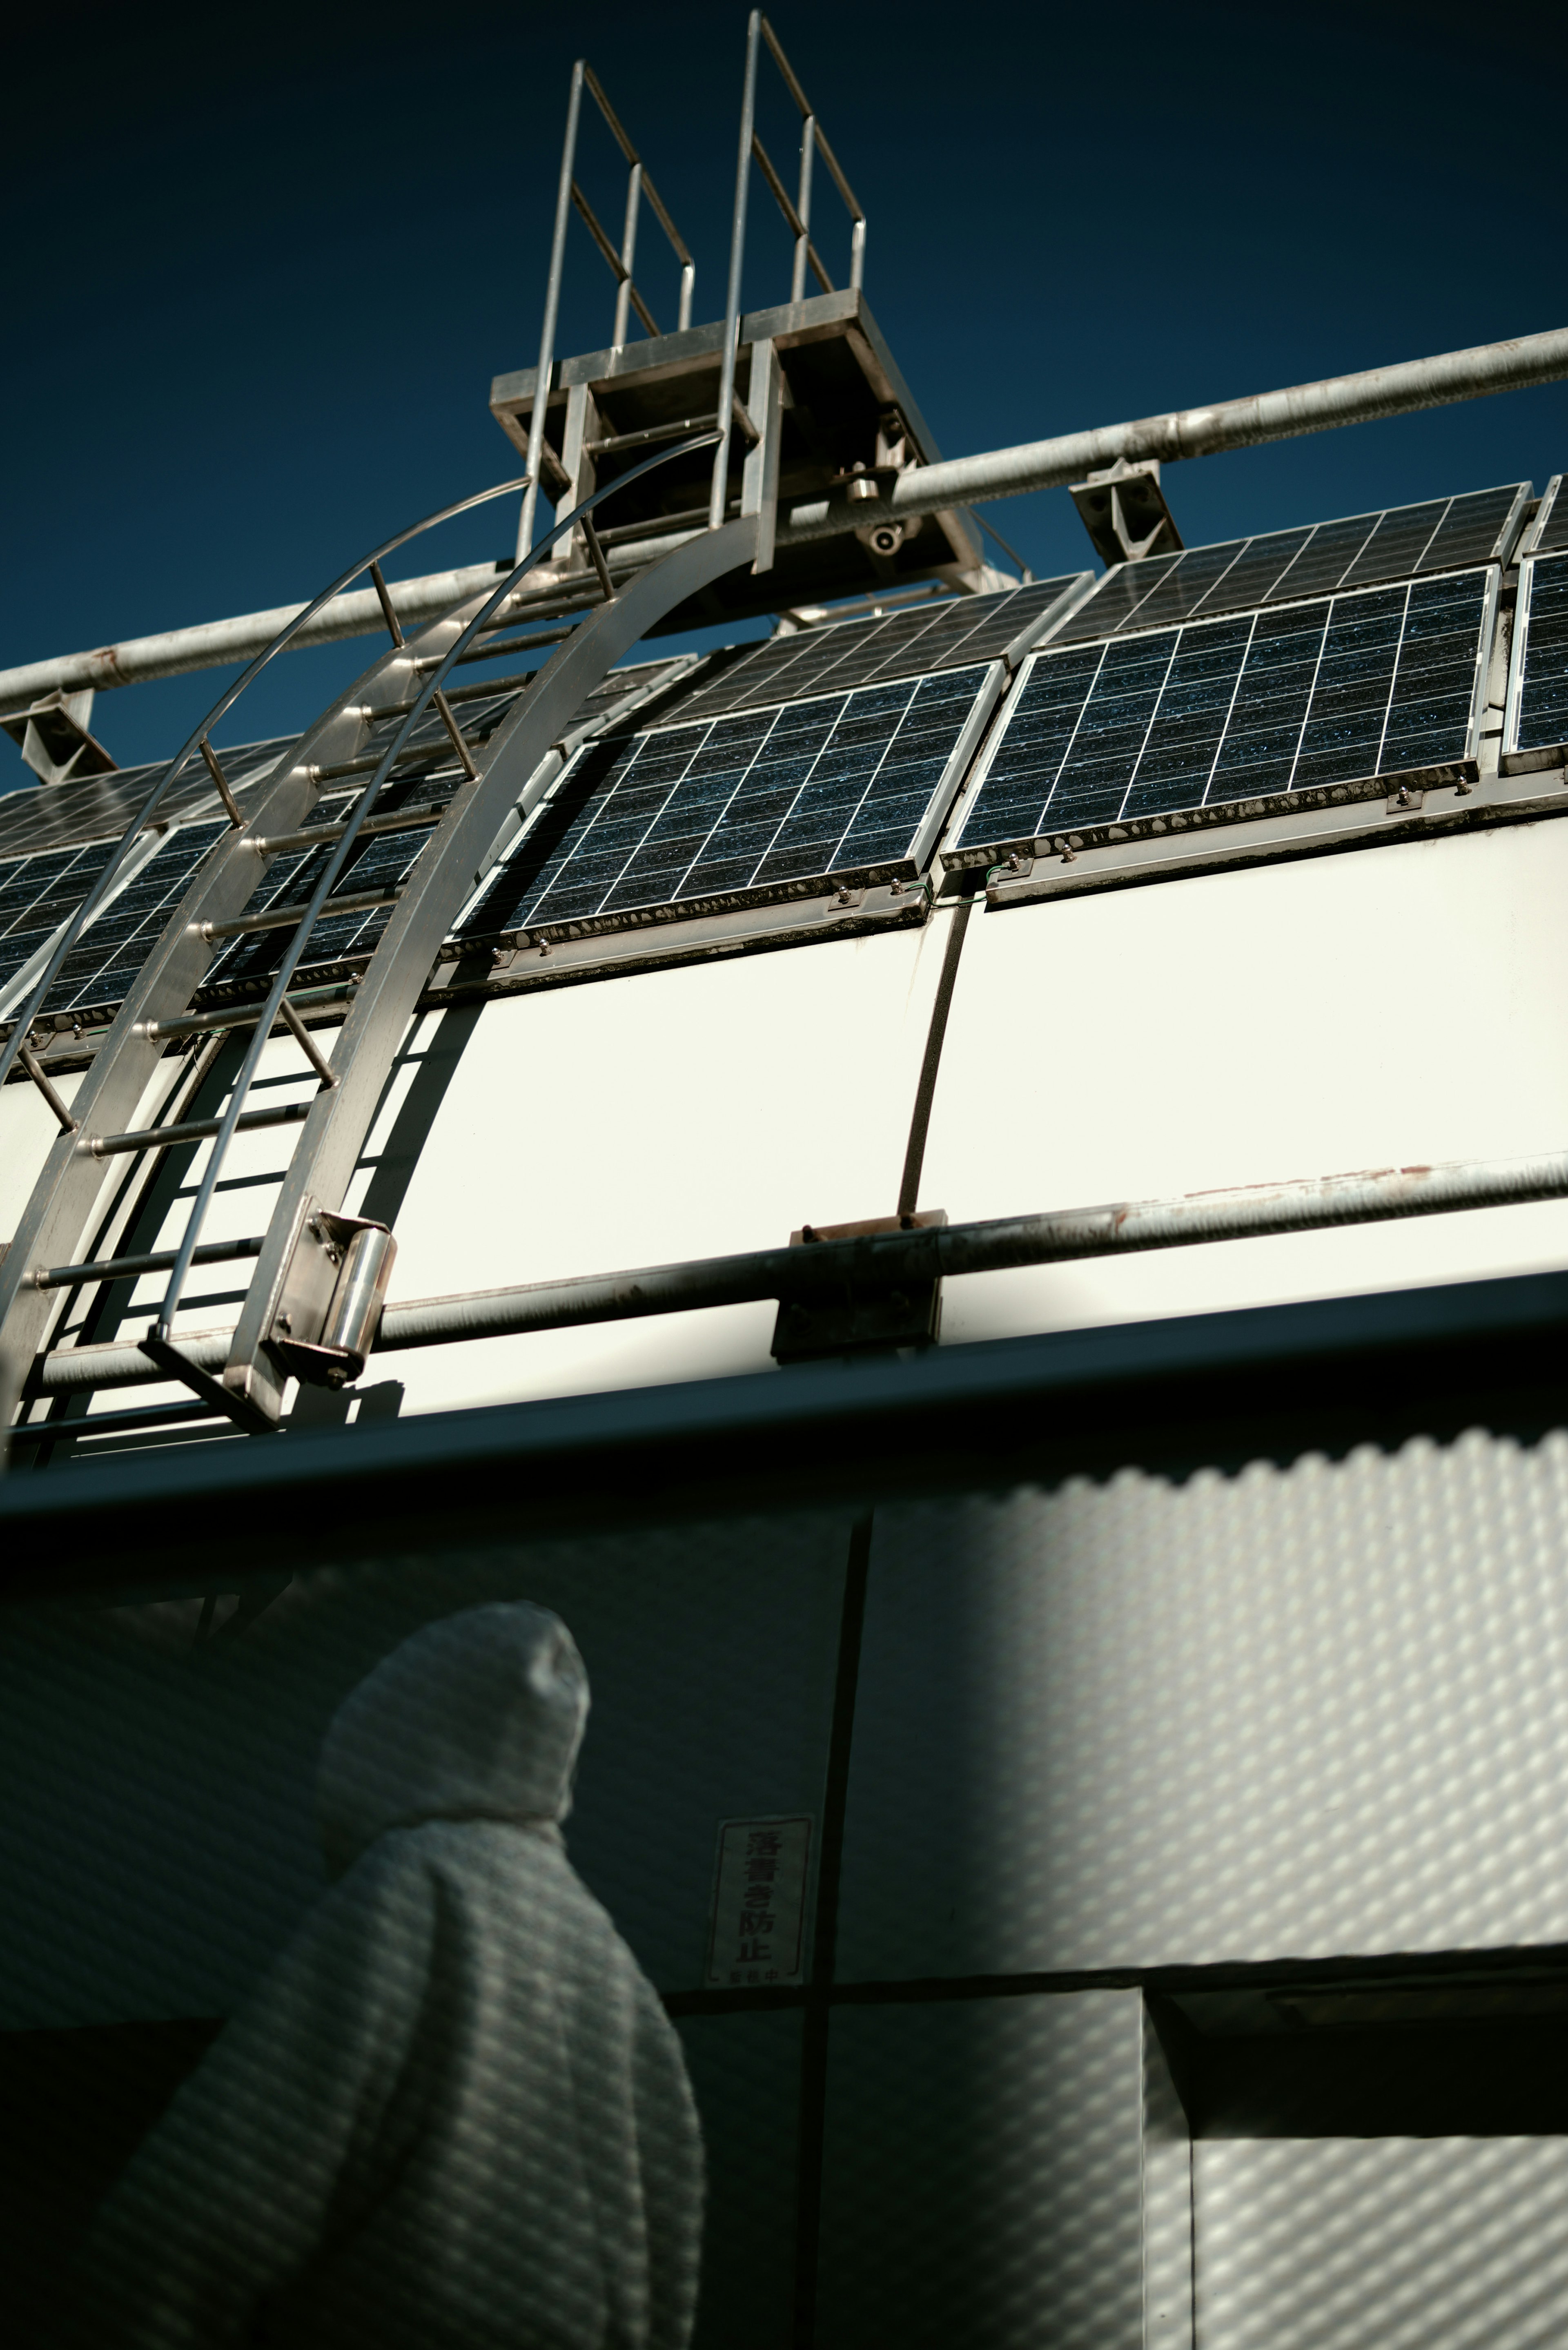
(38, 894)
(745, 806)
(1548, 534)
(106, 958)
(1399, 543)
(836, 657)
(1287, 699)
(1539, 720)
(98, 808)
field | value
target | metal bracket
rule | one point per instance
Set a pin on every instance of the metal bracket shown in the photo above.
(858, 1310)
(1124, 512)
(323, 1321)
(53, 740)
(213, 1392)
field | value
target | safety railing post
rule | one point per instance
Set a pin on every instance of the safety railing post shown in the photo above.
(724, 420)
(552, 307)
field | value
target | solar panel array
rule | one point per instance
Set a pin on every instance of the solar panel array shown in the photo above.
(1541, 720)
(1271, 701)
(38, 891)
(755, 803)
(100, 807)
(1398, 543)
(832, 658)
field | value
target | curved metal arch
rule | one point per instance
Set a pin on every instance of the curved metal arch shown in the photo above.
(289, 960)
(333, 1135)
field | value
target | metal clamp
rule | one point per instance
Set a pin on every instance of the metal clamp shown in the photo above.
(329, 1301)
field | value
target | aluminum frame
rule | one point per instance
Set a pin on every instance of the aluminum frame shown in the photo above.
(905, 870)
(1532, 757)
(1163, 847)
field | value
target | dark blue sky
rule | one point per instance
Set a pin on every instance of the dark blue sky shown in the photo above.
(264, 265)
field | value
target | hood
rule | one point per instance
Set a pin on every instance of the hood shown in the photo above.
(479, 1716)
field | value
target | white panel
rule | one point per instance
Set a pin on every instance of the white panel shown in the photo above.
(1394, 1007)
(28, 1127)
(1293, 1712)
(636, 1121)
(1341, 2243)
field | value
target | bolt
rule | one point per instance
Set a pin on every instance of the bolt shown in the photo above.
(285, 1323)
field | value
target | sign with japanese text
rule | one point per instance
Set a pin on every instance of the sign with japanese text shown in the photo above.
(759, 1902)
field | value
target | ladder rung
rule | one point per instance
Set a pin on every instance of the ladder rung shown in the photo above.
(240, 1016)
(481, 693)
(120, 1268)
(282, 917)
(273, 844)
(368, 761)
(195, 1130)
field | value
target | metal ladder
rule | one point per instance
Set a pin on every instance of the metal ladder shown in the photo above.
(310, 1255)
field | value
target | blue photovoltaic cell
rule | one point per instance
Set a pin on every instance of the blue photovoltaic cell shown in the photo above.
(954, 633)
(753, 802)
(1320, 559)
(1289, 699)
(1544, 682)
(1549, 534)
(38, 894)
(106, 958)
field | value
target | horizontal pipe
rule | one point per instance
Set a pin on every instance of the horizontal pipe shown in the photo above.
(1203, 432)
(1394, 390)
(1004, 1245)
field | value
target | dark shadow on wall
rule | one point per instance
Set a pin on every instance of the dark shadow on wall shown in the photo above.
(77, 2104)
(435, 1070)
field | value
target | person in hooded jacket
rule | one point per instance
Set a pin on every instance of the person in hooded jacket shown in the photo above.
(454, 2115)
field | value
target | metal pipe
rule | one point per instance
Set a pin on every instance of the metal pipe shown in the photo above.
(926, 489)
(552, 307)
(732, 299)
(1006, 1244)
(1205, 432)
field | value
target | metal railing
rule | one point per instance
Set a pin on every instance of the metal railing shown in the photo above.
(570, 194)
(797, 216)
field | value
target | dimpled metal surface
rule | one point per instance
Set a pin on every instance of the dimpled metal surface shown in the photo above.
(1298, 1711)
(982, 2176)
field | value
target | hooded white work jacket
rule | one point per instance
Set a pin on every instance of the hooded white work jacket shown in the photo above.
(454, 2115)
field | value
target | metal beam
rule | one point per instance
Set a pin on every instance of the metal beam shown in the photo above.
(927, 489)
(1127, 1228)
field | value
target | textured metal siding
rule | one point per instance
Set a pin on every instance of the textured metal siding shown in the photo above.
(1312, 1710)
(745, 2072)
(159, 1841)
(982, 2177)
(1339, 2245)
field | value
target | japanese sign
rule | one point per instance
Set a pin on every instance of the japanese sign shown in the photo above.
(759, 1902)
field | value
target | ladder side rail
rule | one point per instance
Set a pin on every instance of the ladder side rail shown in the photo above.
(429, 695)
(65, 1199)
(335, 1129)
(192, 748)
